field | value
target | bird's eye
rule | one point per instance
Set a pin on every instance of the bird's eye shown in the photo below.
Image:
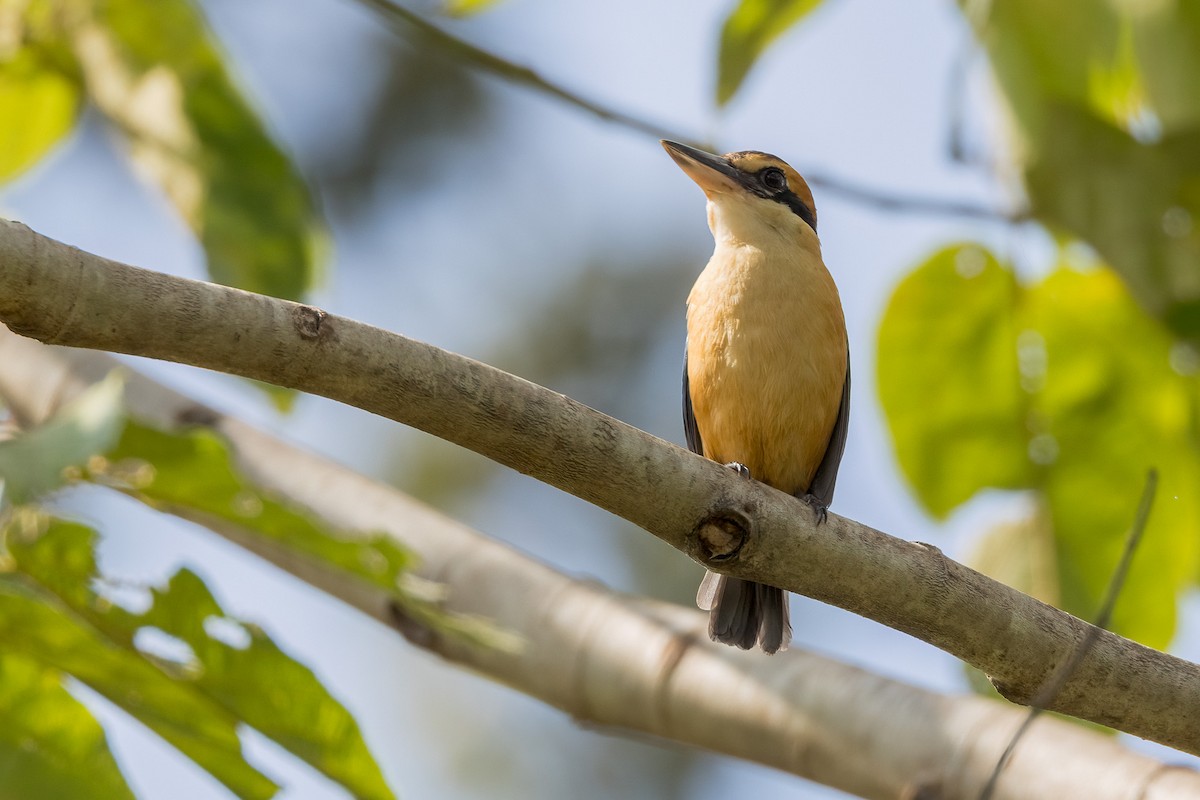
(773, 178)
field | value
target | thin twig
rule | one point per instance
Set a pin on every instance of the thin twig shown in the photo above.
(1053, 686)
(408, 23)
(911, 204)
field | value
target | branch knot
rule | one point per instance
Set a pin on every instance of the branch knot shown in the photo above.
(721, 535)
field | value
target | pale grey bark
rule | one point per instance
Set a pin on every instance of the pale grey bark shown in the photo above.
(57, 294)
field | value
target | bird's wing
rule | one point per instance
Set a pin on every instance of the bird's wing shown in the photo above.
(690, 430)
(826, 475)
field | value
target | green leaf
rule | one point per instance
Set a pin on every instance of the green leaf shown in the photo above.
(1114, 406)
(50, 745)
(59, 632)
(1137, 204)
(192, 473)
(949, 379)
(246, 673)
(1109, 126)
(154, 71)
(1066, 388)
(39, 103)
(230, 671)
(37, 462)
(1036, 64)
(747, 32)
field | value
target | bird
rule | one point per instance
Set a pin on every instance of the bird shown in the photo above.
(766, 375)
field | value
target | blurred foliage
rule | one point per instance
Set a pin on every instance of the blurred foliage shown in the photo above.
(1065, 388)
(39, 461)
(1107, 124)
(1072, 387)
(192, 474)
(180, 666)
(40, 87)
(153, 72)
(747, 32)
(50, 745)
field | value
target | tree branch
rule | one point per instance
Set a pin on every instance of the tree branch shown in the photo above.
(413, 25)
(636, 665)
(60, 295)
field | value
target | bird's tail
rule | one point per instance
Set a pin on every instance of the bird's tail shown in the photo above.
(742, 612)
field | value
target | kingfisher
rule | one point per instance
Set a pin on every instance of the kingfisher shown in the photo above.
(766, 377)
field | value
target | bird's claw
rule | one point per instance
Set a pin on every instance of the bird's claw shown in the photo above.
(819, 509)
(739, 468)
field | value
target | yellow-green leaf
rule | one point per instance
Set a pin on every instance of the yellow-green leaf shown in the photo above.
(39, 104)
(1114, 406)
(1137, 204)
(747, 32)
(153, 69)
(949, 379)
(192, 473)
(49, 613)
(1067, 389)
(1022, 554)
(217, 672)
(50, 745)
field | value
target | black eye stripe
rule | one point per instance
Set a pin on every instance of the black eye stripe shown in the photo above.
(789, 199)
(798, 207)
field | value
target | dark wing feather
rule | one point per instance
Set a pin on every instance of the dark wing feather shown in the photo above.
(690, 430)
(826, 475)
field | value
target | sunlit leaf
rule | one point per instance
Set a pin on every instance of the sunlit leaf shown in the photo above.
(748, 31)
(1037, 62)
(48, 614)
(1114, 407)
(243, 671)
(229, 669)
(39, 105)
(192, 473)
(949, 379)
(50, 745)
(1108, 122)
(153, 69)
(36, 462)
(1065, 388)
(1137, 204)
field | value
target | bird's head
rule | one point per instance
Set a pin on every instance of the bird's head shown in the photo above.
(751, 195)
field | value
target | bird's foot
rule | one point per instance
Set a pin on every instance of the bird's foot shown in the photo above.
(739, 468)
(819, 509)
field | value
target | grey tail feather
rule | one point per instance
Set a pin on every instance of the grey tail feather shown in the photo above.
(743, 613)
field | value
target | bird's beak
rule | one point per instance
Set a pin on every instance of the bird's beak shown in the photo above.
(712, 173)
